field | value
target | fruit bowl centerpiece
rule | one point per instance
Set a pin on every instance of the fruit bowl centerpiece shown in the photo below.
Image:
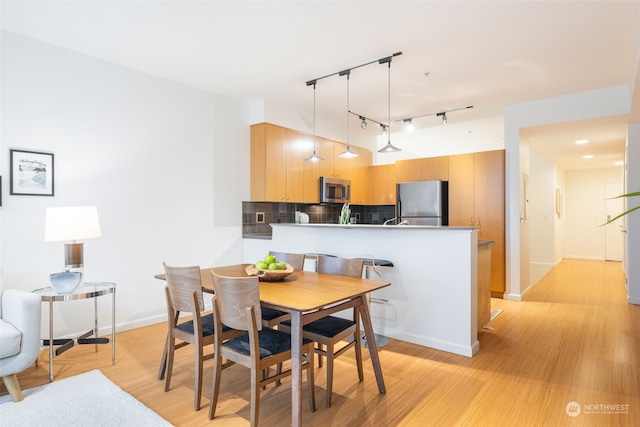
(269, 269)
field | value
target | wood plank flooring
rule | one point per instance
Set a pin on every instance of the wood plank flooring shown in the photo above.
(574, 339)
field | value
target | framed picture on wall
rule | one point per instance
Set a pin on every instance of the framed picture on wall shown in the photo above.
(31, 173)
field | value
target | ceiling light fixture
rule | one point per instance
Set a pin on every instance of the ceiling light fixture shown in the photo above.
(314, 157)
(581, 141)
(409, 125)
(619, 163)
(389, 148)
(347, 154)
(442, 114)
(588, 156)
(363, 124)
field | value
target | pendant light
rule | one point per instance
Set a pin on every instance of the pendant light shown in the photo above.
(348, 154)
(314, 158)
(389, 148)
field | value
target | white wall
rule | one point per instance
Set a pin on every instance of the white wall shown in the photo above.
(165, 164)
(542, 211)
(633, 220)
(584, 212)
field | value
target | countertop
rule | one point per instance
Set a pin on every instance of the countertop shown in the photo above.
(374, 226)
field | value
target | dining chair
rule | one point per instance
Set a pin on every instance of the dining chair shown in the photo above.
(272, 317)
(184, 295)
(329, 331)
(236, 304)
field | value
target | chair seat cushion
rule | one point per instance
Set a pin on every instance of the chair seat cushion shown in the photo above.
(327, 326)
(272, 313)
(271, 342)
(207, 326)
(10, 340)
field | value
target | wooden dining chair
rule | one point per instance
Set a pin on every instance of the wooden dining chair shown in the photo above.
(270, 316)
(236, 304)
(331, 330)
(184, 295)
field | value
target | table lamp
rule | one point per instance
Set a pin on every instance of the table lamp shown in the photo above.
(72, 224)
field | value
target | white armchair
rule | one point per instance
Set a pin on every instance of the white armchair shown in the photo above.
(19, 336)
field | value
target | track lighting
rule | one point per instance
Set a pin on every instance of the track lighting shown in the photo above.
(389, 148)
(314, 157)
(363, 124)
(385, 128)
(347, 154)
(409, 125)
(443, 114)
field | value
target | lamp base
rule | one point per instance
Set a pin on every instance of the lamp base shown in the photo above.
(74, 259)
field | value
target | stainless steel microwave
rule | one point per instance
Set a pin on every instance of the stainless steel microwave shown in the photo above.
(334, 190)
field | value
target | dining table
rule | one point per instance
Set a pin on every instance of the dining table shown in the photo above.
(309, 296)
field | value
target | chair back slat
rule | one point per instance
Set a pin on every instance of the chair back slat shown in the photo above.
(351, 267)
(295, 260)
(234, 295)
(182, 283)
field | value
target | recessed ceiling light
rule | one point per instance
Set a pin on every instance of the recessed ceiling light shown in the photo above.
(619, 163)
(581, 141)
(588, 156)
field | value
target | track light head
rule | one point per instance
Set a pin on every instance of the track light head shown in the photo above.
(408, 125)
(363, 124)
(444, 117)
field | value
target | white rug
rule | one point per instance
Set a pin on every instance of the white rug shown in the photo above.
(89, 399)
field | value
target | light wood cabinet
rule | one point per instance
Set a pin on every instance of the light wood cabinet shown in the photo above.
(280, 174)
(476, 198)
(363, 189)
(277, 164)
(433, 168)
(462, 190)
(409, 170)
(425, 169)
(384, 185)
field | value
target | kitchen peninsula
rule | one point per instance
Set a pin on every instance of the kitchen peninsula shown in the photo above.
(432, 300)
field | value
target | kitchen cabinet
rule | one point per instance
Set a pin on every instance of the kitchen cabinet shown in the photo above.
(424, 169)
(280, 174)
(362, 195)
(489, 211)
(476, 198)
(276, 163)
(383, 184)
(333, 166)
(462, 190)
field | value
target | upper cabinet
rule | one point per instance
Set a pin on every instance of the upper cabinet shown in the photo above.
(426, 169)
(280, 174)
(383, 181)
(276, 163)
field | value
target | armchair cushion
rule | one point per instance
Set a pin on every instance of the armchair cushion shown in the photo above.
(21, 310)
(10, 339)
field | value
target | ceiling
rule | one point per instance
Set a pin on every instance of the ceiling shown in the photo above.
(454, 54)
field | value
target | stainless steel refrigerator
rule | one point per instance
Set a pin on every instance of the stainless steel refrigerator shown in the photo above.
(423, 203)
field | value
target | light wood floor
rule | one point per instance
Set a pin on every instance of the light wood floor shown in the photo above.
(574, 339)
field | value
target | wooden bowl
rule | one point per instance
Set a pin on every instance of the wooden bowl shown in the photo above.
(269, 275)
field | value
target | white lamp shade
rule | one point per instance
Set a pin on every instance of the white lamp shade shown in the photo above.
(71, 223)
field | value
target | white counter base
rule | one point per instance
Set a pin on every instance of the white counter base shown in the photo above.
(432, 300)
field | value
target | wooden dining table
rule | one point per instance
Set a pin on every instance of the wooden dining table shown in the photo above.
(309, 296)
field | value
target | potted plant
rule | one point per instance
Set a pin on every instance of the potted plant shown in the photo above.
(628, 211)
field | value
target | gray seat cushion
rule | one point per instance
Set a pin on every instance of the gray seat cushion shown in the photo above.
(10, 340)
(271, 342)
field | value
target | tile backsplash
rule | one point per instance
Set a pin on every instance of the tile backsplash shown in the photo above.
(256, 216)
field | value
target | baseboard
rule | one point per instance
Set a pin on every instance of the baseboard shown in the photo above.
(449, 347)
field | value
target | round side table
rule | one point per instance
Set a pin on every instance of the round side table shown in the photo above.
(89, 290)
